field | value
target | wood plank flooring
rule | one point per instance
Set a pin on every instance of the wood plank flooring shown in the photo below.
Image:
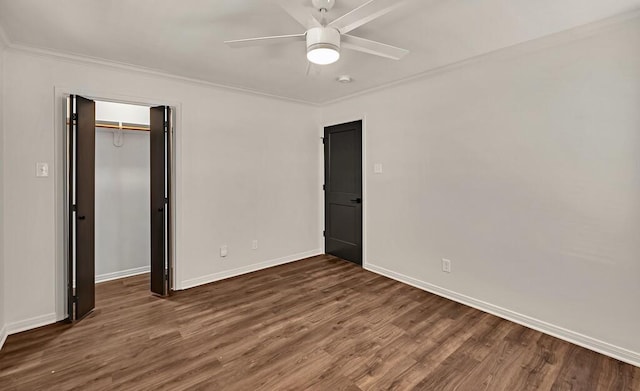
(317, 324)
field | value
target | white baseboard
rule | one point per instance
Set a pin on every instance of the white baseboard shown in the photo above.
(3, 335)
(121, 274)
(32, 323)
(186, 284)
(585, 341)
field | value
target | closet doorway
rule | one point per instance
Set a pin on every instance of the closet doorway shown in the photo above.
(118, 193)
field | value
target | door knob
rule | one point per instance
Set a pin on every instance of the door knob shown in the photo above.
(356, 200)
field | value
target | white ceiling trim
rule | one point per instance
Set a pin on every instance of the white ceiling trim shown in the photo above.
(80, 59)
(552, 40)
(549, 41)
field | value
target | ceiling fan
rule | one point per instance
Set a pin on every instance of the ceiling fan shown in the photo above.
(324, 40)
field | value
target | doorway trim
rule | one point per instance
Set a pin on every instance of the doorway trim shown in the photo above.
(59, 207)
(365, 204)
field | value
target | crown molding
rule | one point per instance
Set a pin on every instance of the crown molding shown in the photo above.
(530, 46)
(548, 41)
(81, 59)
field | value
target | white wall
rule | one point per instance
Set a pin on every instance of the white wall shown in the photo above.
(122, 112)
(244, 173)
(523, 170)
(122, 203)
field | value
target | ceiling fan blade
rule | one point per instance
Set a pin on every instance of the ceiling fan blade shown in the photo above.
(241, 43)
(367, 12)
(373, 47)
(300, 14)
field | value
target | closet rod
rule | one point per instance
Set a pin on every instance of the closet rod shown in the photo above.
(115, 125)
(124, 127)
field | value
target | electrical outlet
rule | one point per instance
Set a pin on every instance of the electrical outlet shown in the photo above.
(446, 265)
(254, 244)
(223, 251)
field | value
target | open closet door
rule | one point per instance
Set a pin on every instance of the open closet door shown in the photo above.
(160, 143)
(81, 181)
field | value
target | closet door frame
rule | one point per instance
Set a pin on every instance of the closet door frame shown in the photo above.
(60, 177)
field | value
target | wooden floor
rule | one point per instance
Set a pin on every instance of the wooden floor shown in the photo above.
(317, 324)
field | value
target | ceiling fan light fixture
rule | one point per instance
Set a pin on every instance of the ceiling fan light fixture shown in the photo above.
(324, 38)
(322, 54)
(323, 45)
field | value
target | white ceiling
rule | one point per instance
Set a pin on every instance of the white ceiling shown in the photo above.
(186, 37)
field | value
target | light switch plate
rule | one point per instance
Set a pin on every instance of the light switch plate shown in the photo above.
(446, 265)
(42, 170)
(224, 251)
(377, 168)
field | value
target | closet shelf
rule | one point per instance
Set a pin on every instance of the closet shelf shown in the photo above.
(125, 126)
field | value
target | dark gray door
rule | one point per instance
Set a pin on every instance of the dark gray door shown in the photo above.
(343, 191)
(160, 144)
(82, 151)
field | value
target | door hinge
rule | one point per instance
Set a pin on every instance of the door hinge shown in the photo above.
(323, 140)
(74, 116)
(324, 187)
(166, 201)
(74, 208)
(324, 233)
(75, 299)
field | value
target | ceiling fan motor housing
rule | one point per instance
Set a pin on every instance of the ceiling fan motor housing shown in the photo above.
(323, 37)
